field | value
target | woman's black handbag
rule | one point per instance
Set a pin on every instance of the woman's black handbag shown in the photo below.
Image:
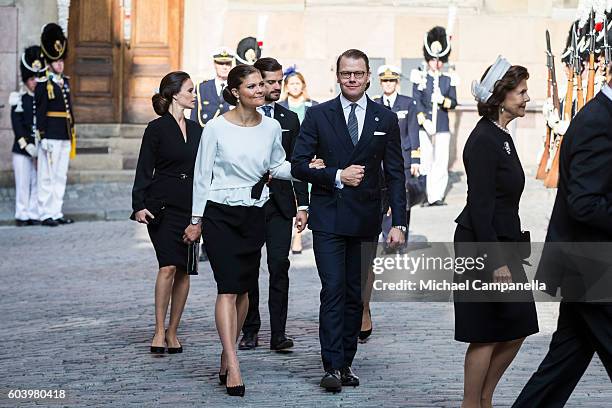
(193, 257)
(416, 187)
(155, 207)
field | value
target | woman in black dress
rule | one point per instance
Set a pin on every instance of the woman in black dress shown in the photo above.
(494, 329)
(161, 198)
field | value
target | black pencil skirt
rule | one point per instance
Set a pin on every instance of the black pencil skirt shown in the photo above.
(167, 238)
(233, 237)
(492, 322)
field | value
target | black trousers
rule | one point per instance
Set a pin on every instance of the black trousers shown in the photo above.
(342, 264)
(582, 330)
(278, 243)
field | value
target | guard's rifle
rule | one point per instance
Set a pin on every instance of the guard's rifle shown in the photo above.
(578, 77)
(553, 92)
(591, 83)
(552, 177)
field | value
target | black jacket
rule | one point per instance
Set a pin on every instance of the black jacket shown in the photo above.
(49, 126)
(164, 156)
(495, 181)
(285, 192)
(583, 207)
(22, 123)
(351, 211)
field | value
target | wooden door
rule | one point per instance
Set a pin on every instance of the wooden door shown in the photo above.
(93, 61)
(153, 50)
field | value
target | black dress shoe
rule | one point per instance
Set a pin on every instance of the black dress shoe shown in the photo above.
(331, 381)
(173, 350)
(348, 377)
(364, 334)
(158, 350)
(248, 342)
(64, 221)
(21, 223)
(33, 222)
(50, 222)
(281, 342)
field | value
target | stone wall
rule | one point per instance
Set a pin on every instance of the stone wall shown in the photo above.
(22, 21)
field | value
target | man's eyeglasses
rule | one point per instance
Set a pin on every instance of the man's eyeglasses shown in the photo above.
(356, 74)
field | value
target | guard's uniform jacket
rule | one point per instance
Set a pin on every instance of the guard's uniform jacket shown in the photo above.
(423, 88)
(22, 119)
(209, 104)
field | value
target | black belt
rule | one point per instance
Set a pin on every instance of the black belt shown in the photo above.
(257, 189)
(181, 176)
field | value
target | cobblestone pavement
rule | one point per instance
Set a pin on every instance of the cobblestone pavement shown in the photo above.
(77, 315)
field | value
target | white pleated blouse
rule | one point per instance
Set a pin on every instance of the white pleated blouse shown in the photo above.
(232, 159)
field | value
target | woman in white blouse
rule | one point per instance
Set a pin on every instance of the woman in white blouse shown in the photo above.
(239, 151)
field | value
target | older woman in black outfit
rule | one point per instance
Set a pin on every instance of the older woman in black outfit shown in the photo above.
(494, 329)
(161, 198)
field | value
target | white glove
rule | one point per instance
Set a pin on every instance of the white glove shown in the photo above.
(560, 127)
(429, 127)
(31, 149)
(547, 108)
(45, 145)
(437, 97)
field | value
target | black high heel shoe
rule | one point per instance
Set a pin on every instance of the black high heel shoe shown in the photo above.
(364, 334)
(173, 350)
(157, 349)
(222, 377)
(237, 391)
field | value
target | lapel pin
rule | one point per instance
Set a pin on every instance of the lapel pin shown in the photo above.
(507, 147)
(376, 118)
(282, 115)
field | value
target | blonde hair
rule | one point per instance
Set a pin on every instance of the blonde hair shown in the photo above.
(285, 93)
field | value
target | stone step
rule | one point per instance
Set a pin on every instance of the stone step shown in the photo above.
(99, 176)
(109, 130)
(109, 161)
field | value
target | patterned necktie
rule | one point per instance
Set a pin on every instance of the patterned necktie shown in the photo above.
(267, 110)
(353, 126)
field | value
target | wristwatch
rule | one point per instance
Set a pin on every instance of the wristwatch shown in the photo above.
(400, 227)
(195, 220)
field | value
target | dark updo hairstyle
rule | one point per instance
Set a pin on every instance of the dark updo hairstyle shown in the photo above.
(169, 86)
(511, 80)
(234, 80)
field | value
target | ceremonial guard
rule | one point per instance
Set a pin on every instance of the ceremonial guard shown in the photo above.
(209, 102)
(248, 51)
(435, 95)
(55, 124)
(25, 151)
(406, 110)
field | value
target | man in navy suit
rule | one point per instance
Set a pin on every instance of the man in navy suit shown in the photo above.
(354, 136)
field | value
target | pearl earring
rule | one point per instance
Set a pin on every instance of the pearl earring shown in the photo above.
(502, 109)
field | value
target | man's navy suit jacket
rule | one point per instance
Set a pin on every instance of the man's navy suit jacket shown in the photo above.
(351, 211)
